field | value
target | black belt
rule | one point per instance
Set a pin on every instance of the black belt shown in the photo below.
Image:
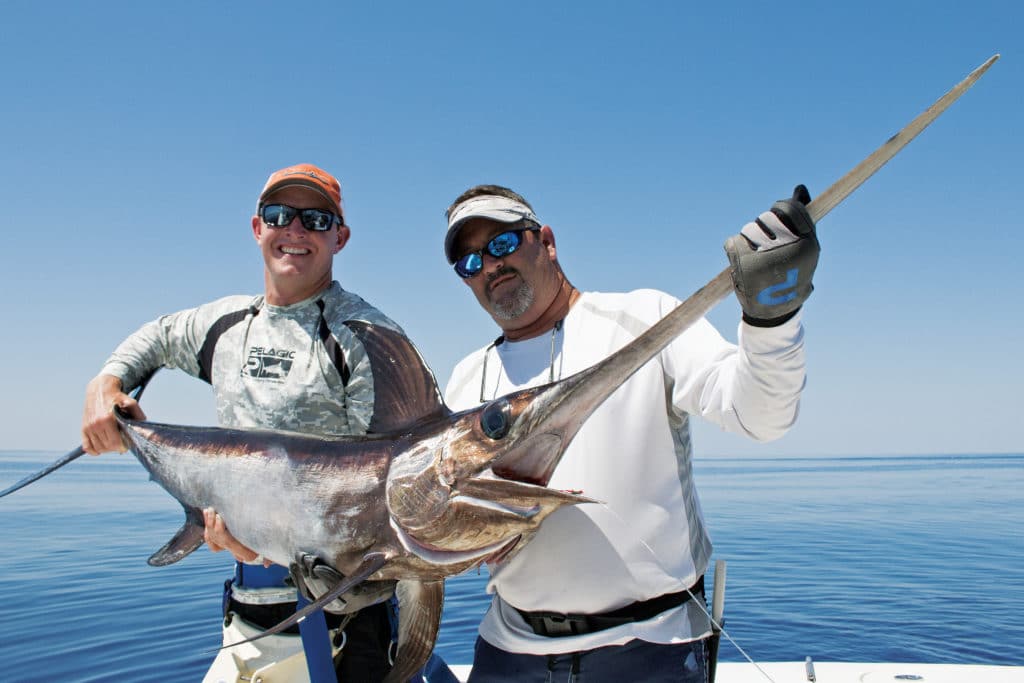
(555, 624)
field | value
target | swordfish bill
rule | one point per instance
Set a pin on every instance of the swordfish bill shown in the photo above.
(719, 287)
(427, 493)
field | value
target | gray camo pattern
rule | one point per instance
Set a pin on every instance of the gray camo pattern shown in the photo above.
(270, 370)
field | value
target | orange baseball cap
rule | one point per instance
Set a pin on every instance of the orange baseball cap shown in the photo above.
(306, 175)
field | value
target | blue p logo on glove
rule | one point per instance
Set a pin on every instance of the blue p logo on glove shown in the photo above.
(768, 296)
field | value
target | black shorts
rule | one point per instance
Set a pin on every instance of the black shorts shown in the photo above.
(365, 657)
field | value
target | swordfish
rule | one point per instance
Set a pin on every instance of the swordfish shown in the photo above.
(427, 494)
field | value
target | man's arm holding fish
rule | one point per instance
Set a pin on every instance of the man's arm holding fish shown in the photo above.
(99, 429)
(218, 538)
(171, 341)
(175, 341)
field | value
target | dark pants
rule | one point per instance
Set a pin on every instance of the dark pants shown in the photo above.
(635, 661)
(364, 658)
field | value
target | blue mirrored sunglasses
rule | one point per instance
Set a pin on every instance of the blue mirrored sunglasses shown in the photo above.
(500, 245)
(282, 215)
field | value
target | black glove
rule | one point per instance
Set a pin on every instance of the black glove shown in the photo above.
(773, 259)
(314, 577)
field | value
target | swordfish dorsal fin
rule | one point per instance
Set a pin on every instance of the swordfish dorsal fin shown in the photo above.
(405, 390)
(188, 538)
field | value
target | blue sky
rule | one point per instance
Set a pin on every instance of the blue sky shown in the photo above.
(136, 137)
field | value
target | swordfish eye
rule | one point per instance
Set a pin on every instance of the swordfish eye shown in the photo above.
(495, 420)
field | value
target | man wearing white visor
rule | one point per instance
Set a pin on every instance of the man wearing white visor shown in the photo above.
(614, 592)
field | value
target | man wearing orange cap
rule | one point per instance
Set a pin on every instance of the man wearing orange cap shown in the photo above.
(284, 360)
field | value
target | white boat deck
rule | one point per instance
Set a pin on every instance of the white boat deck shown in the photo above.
(851, 672)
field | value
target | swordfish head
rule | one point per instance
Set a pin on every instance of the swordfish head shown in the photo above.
(479, 485)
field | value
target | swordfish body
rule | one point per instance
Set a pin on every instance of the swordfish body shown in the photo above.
(430, 491)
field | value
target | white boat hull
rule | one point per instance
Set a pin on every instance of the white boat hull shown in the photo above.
(851, 672)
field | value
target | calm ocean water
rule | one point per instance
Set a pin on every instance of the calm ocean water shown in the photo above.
(845, 559)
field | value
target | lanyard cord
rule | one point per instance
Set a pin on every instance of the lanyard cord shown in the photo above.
(501, 340)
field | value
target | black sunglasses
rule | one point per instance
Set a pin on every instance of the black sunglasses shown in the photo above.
(282, 215)
(500, 245)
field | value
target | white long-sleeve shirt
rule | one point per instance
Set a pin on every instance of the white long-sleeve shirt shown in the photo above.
(647, 537)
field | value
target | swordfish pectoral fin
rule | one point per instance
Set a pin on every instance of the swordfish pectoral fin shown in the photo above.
(371, 563)
(419, 620)
(188, 538)
(519, 494)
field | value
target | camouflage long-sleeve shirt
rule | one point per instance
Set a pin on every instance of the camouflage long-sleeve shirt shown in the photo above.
(296, 367)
